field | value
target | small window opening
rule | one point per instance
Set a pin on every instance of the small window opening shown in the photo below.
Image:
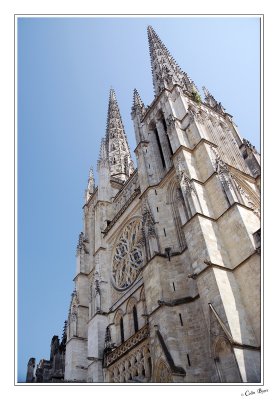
(188, 360)
(135, 318)
(122, 330)
(181, 321)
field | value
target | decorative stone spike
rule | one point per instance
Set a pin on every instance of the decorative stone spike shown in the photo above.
(210, 100)
(165, 70)
(137, 102)
(103, 153)
(81, 243)
(138, 105)
(91, 185)
(249, 145)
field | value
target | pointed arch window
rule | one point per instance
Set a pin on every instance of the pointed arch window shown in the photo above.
(135, 318)
(183, 207)
(122, 330)
(167, 137)
(159, 148)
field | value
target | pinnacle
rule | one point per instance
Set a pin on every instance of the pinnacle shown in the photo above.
(91, 181)
(91, 173)
(210, 100)
(112, 95)
(207, 93)
(103, 148)
(137, 99)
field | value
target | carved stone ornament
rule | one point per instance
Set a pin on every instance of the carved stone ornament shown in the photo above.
(249, 145)
(81, 243)
(171, 121)
(74, 297)
(128, 256)
(97, 286)
(91, 292)
(214, 121)
(200, 118)
(184, 181)
(148, 221)
(222, 170)
(250, 203)
(73, 316)
(191, 114)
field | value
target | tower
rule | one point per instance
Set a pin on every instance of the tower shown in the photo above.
(167, 250)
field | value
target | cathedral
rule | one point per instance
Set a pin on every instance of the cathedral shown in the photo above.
(167, 282)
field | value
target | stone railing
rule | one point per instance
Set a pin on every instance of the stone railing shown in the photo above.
(133, 341)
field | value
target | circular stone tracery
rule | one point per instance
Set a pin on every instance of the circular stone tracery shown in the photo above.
(128, 256)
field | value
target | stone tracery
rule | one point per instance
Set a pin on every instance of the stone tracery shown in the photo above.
(128, 256)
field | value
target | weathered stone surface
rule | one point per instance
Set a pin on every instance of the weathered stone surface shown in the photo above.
(167, 285)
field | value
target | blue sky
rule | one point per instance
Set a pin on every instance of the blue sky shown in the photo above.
(66, 67)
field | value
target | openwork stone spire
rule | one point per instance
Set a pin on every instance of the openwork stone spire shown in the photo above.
(165, 70)
(120, 162)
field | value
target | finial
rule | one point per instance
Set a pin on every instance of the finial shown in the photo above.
(206, 92)
(112, 94)
(137, 99)
(138, 105)
(91, 182)
(103, 153)
(210, 100)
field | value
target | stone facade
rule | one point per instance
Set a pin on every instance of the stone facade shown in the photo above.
(167, 284)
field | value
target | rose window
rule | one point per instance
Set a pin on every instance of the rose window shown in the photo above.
(128, 256)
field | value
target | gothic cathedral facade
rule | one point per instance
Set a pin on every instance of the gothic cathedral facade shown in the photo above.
(168, 250)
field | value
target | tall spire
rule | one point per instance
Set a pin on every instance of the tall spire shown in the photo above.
(120, 162)
(165, 70)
